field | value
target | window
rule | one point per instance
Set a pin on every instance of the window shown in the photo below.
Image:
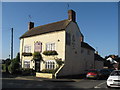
(27, 49)
(50, 65)
(50, 46)
(68, 38)
(115, 73)
(38, 47)
(26, 64)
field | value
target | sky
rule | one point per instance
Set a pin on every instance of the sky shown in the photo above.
(98, 22)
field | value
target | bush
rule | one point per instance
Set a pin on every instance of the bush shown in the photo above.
(27, 71)
(4, 67)
(14, 67)
(11, 69)
(7, 63)
(59, 62)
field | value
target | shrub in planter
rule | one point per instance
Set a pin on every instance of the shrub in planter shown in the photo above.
(50, 53)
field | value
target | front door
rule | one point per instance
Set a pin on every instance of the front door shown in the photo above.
(37, 66)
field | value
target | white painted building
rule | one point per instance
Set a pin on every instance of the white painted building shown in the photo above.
(65, 38)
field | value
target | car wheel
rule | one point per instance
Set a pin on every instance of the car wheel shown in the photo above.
(108, 86)
(98, 78)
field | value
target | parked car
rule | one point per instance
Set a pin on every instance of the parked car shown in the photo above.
(114, 79)
(98, 74)
(93, 74)
(111, 70)
(104, 73)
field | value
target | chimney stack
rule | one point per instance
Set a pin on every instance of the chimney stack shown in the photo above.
(30, 25)
(96, 52)
(72, 15)
(82, 38)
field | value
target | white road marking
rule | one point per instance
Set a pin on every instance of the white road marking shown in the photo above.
(98, 86)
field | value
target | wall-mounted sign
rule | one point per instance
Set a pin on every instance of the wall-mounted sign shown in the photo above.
(38, 46)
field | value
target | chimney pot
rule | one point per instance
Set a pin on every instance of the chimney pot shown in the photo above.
(72, 15)
(30, 25)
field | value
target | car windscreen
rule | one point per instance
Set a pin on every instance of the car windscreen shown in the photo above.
(115, 73)
(94, 71)
(104, 71)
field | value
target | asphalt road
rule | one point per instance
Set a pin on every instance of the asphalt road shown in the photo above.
(64, 83)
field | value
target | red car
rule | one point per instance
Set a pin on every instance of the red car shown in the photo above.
(92, 74)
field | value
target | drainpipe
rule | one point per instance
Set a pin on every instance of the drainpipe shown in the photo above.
(22, 51)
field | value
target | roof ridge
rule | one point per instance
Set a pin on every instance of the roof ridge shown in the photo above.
(50, 23)
(50, 27)
(88, 46)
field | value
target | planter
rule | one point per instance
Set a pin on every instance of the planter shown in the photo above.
(50, 53)
(26, 54)
(44, 75)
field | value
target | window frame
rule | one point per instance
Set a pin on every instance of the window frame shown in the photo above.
(26, 63)
(27, 49)
(50, 46)
(50, 64)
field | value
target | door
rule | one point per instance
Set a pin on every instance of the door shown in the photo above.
(37, 66)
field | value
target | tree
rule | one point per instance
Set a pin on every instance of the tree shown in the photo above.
(18, 57)
(7, 63)
(14, 66)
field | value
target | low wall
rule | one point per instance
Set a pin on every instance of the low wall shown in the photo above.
(44, 75)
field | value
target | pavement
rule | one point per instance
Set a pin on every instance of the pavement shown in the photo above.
(46, 79)
(9, 76)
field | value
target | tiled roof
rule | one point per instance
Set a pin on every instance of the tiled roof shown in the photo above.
(98, 57)
(85, 45)
(52, 27)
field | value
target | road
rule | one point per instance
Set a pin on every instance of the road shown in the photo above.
(73, 83)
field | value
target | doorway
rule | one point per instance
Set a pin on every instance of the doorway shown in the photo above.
(37, 66)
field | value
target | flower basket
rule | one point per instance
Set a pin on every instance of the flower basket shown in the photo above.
(26, 54)
(50, 53)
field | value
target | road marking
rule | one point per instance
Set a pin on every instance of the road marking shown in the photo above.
(98, 86)
(77, 80)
